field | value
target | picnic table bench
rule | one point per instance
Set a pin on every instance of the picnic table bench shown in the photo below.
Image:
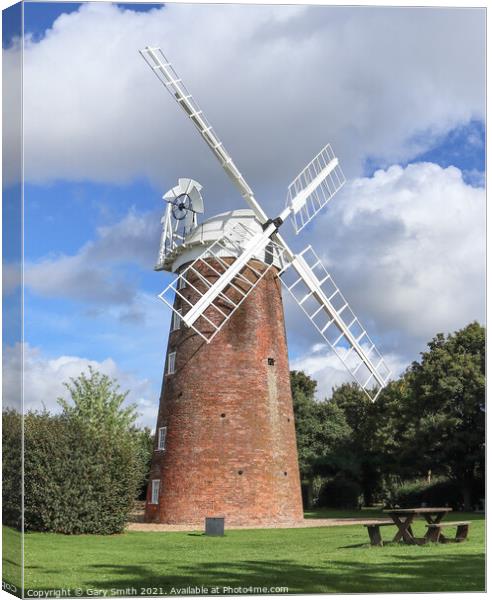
(434, 533)
(403, 518)
(373, 530)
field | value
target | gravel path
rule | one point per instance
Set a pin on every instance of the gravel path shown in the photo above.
(200, 526)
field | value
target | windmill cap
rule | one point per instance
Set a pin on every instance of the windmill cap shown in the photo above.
(210, 231)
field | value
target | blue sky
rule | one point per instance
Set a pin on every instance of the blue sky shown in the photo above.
(39, 16)
(462, 147)
(102, 147)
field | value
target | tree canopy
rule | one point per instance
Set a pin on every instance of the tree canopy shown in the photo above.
(447, 397)
(429, 421)
(97, 402)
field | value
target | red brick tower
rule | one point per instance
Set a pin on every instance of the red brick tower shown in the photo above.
(225, 440)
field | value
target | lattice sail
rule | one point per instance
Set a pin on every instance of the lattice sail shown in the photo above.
(173, 83)
(314, 187)
(314, 290)
(195, 282)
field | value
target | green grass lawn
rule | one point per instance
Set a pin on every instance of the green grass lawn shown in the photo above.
(324, 559)
(11, 556)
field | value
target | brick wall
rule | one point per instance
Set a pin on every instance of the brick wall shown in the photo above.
(230, 446)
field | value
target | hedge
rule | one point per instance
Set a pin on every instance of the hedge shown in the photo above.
(77, 479)
(11, 468)
(440, 492)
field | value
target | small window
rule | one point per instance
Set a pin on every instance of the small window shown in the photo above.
(161, 439)
(176, 324)
(171, 363)
(156, 484)
(181, 282)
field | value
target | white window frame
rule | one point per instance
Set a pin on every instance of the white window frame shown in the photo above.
(156, 488)
(171, 363)
(176, 322)
(161, 438)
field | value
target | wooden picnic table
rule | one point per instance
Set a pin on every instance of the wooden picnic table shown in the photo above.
(404, 517)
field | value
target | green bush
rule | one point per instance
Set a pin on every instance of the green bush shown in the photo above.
(440, 492)
(339, 492)
(78, 479)
(11, 468)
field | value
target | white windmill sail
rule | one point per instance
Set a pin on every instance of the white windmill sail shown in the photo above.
(314, 187)
(214, 299)
(314, 290)
(166, 74)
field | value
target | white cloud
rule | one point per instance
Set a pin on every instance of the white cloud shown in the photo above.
(11, 277)
(73, 277)
(12, 114)
(278, 82)
(93, 275)
(407, 248)
(325, 367)
(44, 377)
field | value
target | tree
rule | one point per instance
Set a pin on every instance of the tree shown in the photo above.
(97, 402)
(392, 438)
(145, 448)
(303, 390)
(321, 431)
(363, 458)
(447, 397)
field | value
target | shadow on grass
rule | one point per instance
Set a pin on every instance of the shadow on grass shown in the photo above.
(11, 562)
(396, 573)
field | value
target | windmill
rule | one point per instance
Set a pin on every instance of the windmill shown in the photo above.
(228, 269)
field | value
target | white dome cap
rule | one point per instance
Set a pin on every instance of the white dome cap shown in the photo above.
(208, 232)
